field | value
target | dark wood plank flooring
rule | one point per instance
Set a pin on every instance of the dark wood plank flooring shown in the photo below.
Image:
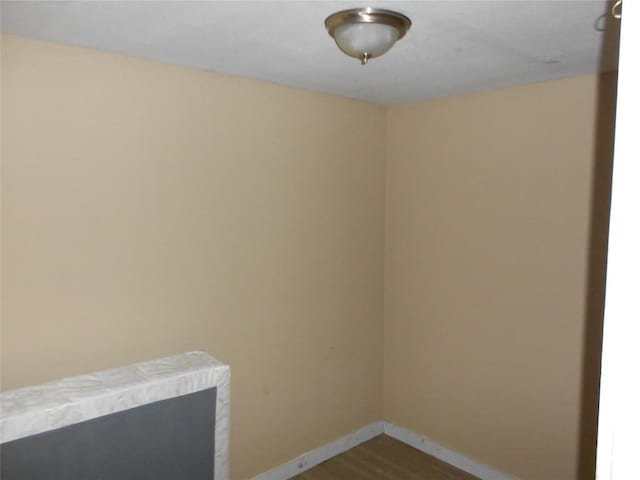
(384, 458)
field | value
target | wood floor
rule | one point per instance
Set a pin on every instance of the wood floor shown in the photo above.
(384, 458)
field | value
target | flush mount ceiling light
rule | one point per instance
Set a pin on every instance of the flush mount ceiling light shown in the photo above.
(365, 33)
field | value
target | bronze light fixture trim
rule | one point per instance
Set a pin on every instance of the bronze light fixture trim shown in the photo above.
(366, 33)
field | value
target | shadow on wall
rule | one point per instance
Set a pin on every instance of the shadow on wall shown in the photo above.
(597, 250)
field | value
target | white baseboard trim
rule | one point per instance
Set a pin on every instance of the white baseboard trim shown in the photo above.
(315, 457)
(426, 445)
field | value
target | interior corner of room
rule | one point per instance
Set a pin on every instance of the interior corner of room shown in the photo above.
(433, 270)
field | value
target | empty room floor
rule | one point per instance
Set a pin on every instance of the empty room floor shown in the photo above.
(385, 458)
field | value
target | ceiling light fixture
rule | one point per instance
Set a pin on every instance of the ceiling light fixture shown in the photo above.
(365, 33)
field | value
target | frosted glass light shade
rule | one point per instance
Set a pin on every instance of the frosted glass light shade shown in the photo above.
(371, 38)
(368, 32)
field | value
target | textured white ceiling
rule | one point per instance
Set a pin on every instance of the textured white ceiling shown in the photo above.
(453, 47)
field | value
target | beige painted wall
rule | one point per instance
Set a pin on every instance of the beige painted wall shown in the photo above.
(149, 209)
(494, 272)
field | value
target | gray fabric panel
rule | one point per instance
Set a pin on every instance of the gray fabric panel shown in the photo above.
(167, 440)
